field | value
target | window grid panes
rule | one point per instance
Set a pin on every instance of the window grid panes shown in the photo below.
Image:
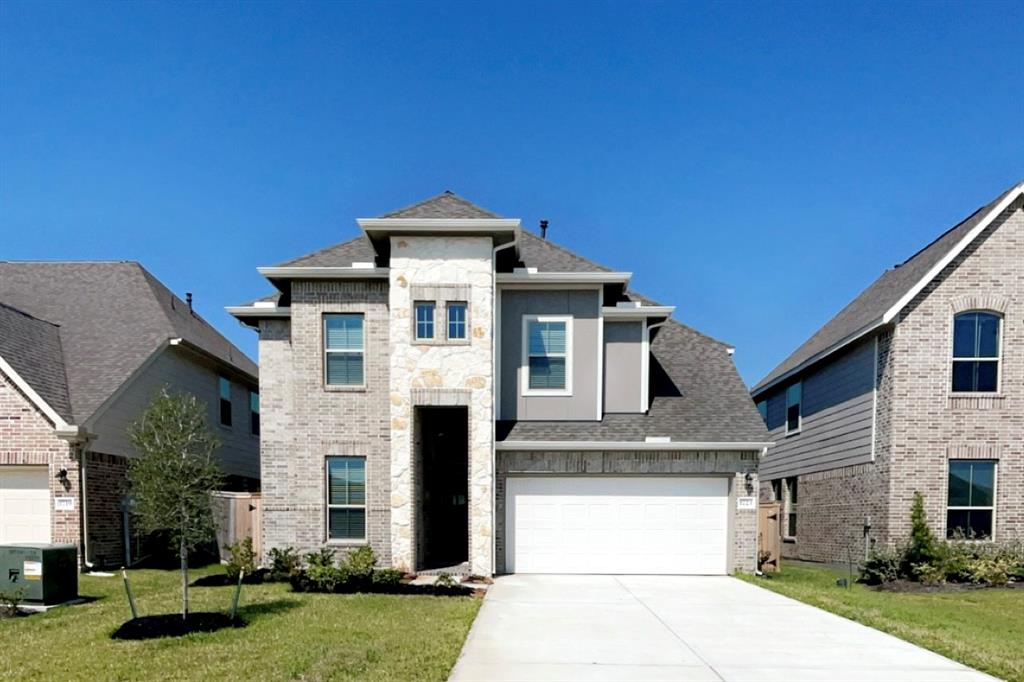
(792, 497)
(225, 401)
(976, 352)
(547, 354)
(343, 349)
(346, 498)
(254, 413)
(424, 320)
(794, 396)
(456, 321)
(970, 501)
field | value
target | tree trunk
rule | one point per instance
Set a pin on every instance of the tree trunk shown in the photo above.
(184, 580)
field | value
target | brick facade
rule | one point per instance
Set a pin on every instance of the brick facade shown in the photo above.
(919, 425)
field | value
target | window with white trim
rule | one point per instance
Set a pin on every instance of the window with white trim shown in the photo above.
(424, 311)
(971, 498)
(457, 320)
(976, 351)
(346, 498)
(794, 398)
(547, 354)
(343, 349)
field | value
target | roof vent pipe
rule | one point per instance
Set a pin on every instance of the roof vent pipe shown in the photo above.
(543, 229)
(188, 299)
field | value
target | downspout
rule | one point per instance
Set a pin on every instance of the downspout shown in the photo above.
(495, 322)
(78, 438)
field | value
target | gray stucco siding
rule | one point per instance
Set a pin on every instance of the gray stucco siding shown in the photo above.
(584, 307)
(836, 418)
(623, 357)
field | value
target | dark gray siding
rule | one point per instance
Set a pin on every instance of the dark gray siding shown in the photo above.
(584, 306)
(623, 354)
(837, 410)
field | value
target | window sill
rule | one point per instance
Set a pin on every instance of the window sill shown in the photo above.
(789, 541)
(347, 543)
(977, 401)
(334, 388)
(546, 394)
(793, 433)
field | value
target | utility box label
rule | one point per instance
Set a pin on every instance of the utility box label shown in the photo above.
(64, 503)
(746, 503)
(33, 570)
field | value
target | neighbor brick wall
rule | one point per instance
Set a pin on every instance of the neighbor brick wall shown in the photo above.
(105, 484)
(932, 426)
(303, 421)
(735, 465)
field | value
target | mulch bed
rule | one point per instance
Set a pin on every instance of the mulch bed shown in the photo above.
(172, 625)
(910, 586)
(222, 579)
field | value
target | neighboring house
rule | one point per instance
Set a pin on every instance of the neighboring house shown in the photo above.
(460, 394)
(83, 348)
(917, 385)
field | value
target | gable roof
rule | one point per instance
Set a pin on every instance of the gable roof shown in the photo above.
(112, 317)
(32, 348)
(447, 204)
(887, 295)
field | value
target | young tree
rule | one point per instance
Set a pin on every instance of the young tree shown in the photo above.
(923, 546)
(174, 474)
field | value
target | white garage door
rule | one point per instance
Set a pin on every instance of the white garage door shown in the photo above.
(616, 525)
(24, 504)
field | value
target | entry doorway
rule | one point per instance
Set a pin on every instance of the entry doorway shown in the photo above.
(442, 487)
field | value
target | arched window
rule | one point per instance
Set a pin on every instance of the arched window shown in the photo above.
(976, 352)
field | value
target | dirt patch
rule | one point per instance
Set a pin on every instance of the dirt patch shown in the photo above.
(222, 579)
(910, 586)
(172, 625)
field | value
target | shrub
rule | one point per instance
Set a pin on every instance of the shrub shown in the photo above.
(881, 566)
(10, 599)
(387, 577)
(922, 550)
(445, 580)
(283, 562)
(991, 570)
(327, 578)
(930, 574)
(243, 558)
(360, 563)
(322, 557)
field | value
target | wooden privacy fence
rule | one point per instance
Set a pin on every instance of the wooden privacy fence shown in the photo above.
(238, 517)
(769, 537)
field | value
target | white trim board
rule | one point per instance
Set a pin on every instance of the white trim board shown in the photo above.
(302, 272)
(34, 398)
(573, 445)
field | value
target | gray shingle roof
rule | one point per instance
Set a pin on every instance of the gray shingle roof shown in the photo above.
(112, 317)
(871, 304)
(32, 347)
(447, 204)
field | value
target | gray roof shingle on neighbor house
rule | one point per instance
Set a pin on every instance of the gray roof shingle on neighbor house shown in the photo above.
(112, 317)
(447, 204)
(32, 347)
(868, 308)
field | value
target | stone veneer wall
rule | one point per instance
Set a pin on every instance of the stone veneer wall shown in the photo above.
(457, 262)
(932, 425)
(304, 421)
(735, 465)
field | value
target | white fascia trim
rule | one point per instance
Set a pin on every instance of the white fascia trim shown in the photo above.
(322, 272)
(615, 313)
(600, 357)
(258, 311)
(996, 211)
(452, 225)
(35, 398)
(556, 445)
(564, 277)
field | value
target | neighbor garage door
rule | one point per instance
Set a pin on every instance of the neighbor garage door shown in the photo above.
(593, 524)
(24, 504)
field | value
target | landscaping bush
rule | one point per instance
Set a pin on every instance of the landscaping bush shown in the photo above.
(9, 601)
(881, 566)
(283, 562)
(360, 563)
(921, 552)
(243, 558)
(321, 557)
(327, 578)
(386, 577)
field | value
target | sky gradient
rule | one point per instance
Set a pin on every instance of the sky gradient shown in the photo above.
(755, 166)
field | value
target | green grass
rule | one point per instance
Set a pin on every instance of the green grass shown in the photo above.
(980, 628)
(289, 635)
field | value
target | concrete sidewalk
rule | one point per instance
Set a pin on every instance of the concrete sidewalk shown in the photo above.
(644, 628)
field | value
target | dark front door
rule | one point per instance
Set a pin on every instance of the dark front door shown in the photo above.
(444, 494)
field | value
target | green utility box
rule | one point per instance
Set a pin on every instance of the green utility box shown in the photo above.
(48, 573)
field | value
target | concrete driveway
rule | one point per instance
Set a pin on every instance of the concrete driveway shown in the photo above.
(643, 628)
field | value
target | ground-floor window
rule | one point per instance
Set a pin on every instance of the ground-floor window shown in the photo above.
(970, 502)
(346, 498)
(791, 499)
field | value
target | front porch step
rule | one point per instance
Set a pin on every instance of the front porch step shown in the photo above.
(457, 571)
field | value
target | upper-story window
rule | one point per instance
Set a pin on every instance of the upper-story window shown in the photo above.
(424, 311)
(343, 349)
(254, 413)
(547, 350)
(457, 320)
(794, 398)
(976, 352)
(224, 386)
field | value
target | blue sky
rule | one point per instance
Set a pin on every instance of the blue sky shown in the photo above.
(757, 166)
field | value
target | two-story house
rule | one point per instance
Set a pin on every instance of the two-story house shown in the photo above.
(83, 348)
(916, 385)
(461, 394)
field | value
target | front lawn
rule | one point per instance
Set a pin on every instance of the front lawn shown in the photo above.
(289, 635)
(980, 628)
